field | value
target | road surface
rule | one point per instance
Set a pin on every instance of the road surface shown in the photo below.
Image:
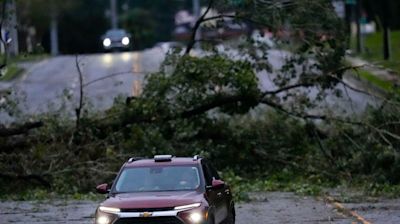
(268, 208)
(53, 82)
(276, 208)
(349, 101)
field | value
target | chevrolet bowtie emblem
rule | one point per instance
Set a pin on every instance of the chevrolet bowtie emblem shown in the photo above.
(146, 214)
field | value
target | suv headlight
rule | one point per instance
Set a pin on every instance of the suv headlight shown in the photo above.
(106, 215)
(196, 217)
(192, 213)
(103, 219)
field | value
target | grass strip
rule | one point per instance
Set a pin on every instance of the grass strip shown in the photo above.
(374, 50)
(11, 72)
(373, 79)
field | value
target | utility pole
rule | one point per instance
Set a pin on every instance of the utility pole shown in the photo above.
(196, 8)
(54, 50)
(349, 17)
(196, 13)
(54, 34)
(114, 14)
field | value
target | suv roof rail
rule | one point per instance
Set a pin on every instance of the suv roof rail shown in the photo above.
(133, 159)
(163, 158)
(196, 157)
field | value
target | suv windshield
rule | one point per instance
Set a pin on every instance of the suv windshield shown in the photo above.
(167, 178)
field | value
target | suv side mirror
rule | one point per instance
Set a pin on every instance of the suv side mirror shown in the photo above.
(218, 184)
(102, 189)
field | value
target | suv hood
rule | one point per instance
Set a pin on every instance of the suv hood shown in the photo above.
(145, 200)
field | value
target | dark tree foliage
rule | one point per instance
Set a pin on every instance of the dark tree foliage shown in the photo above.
(376, 11)
(82, 22)
(81, 28)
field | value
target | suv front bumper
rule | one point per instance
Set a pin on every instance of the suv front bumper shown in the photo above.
(156, 217)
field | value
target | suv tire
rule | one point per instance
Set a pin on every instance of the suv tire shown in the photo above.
(230, 219)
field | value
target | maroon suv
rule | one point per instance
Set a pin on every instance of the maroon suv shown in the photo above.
(166, 190)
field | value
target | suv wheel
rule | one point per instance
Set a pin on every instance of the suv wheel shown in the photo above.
(211, 220)
(230, 219)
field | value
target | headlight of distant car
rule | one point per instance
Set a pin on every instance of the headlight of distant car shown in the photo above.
(106, 42)
(125, 41)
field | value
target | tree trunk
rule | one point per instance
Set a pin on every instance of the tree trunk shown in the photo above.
(386, 30)
(22, 129)
(12, 32)
(358, 23)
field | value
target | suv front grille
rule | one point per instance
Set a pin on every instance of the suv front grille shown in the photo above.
(150, 220)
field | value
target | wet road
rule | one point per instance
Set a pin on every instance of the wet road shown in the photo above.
(274, 208)
(349, 101)
(53, 82)
(266, 208)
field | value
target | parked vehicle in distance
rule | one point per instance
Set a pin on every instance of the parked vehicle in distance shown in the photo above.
(166, 189)
(116, 39)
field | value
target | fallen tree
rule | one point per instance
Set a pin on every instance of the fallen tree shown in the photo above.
(213, 105)
(19, 129)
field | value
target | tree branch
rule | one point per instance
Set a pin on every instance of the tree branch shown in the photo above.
(196, 27)
(31, 177)
(291, 113)
(286, 88)
(218, 102)
(6, 132)
(78, 110)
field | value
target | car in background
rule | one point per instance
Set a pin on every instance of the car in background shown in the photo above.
(116, 39)
(166, 189)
